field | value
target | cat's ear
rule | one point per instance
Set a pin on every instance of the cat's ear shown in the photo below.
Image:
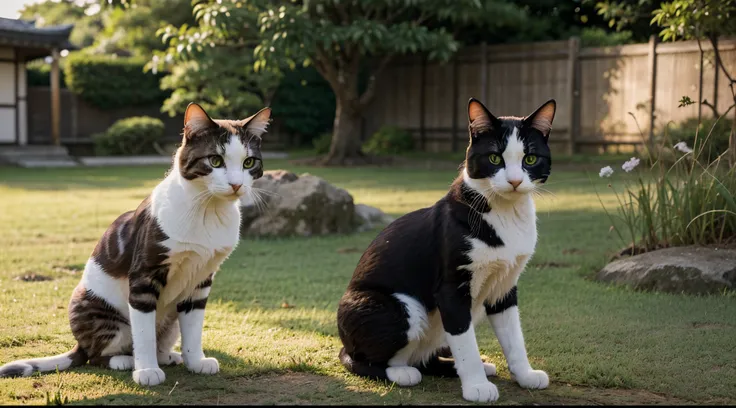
(195, 120)
(257, 124)
(542, 118)
(479, 117)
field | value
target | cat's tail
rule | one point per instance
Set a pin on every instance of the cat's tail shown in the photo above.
(25, 368)
(373, 371)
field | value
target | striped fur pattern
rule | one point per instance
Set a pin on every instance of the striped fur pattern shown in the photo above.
(149, 277)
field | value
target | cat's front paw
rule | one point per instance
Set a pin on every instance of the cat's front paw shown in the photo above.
(207, 365)
(170, 358)
(534, 379)
(484, 392)
(149, 376)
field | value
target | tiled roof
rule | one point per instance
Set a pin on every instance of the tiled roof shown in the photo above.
(21, 33)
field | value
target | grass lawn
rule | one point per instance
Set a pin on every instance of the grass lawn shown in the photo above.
(599, 344)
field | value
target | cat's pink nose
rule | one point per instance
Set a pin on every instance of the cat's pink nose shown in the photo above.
(235, 187)
(515, 183)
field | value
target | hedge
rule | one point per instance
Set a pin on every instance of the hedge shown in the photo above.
(109, 82)
(130, 136)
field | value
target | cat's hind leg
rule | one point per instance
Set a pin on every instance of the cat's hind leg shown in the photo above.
(378, 336)
(443, 365)
(168, 334)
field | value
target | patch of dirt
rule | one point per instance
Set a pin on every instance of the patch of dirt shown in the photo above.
(312, 389)
(704, 325)
(551, 264)
(347, 250)
(572, 251)
(33, 277)
(72, 269)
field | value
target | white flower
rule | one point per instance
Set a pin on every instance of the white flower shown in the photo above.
(682, 146)
(606, 172)
(630, 164)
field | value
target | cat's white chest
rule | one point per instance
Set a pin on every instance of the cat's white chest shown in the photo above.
(495, 270)
(189, 265)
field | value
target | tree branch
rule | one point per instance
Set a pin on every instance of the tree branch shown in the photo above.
(713, 108)
(719, 62)
(324, 66)
(370, 90)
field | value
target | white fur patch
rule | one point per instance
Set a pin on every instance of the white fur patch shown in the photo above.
(404, 376)
(111, 290)
(191, 335)
(507, 326)
(417, 316)
(468, 363)
(143, 328)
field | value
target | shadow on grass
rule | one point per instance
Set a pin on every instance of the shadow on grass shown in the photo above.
(80, 178)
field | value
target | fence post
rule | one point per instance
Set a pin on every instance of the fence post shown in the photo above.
(652, 88)
(484, 71)
(422, 104)
(454, 104)
(573, 51)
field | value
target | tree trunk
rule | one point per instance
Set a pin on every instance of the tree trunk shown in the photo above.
(346, 143)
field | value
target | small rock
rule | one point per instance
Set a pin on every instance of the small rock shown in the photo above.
(691, 269)
(370, 217)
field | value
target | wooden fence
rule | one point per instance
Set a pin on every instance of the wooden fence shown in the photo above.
(606, 97)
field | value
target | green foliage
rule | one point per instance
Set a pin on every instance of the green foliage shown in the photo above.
(51, 13)
(131, 29)
(219, 74)
(389, 140)
(131, 136)
(322, 143)
(38, 73)
(690, 19)
(109, 82)
(598, 37)
(689, 202)
(710, 136)
(305, 104)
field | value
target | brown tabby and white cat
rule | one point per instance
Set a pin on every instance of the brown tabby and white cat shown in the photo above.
(150, 275)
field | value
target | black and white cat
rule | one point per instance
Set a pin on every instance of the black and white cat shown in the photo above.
(432, 274)
(149, 277)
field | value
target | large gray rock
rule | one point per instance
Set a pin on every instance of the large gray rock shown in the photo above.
(692, 269)
(296, 205)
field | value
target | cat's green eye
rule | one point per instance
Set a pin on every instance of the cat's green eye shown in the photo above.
(216, 161)
(530, 159)
(495, 159)
(249, 163)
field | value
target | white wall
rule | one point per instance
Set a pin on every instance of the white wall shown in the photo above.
(7, 96)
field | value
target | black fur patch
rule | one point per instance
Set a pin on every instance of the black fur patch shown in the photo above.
(509, 300)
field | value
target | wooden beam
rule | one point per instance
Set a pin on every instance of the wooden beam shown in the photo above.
(55, 101)
(573, 52)
(652, 88)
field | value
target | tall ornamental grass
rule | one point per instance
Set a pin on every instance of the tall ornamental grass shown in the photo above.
(680, 197)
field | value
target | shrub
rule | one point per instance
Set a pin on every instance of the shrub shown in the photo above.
(712, 146)
(322, 143)
(389, 140)
(689, 202)
(130, 136)
(305, 103)
(38, 73)
(109, 82)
